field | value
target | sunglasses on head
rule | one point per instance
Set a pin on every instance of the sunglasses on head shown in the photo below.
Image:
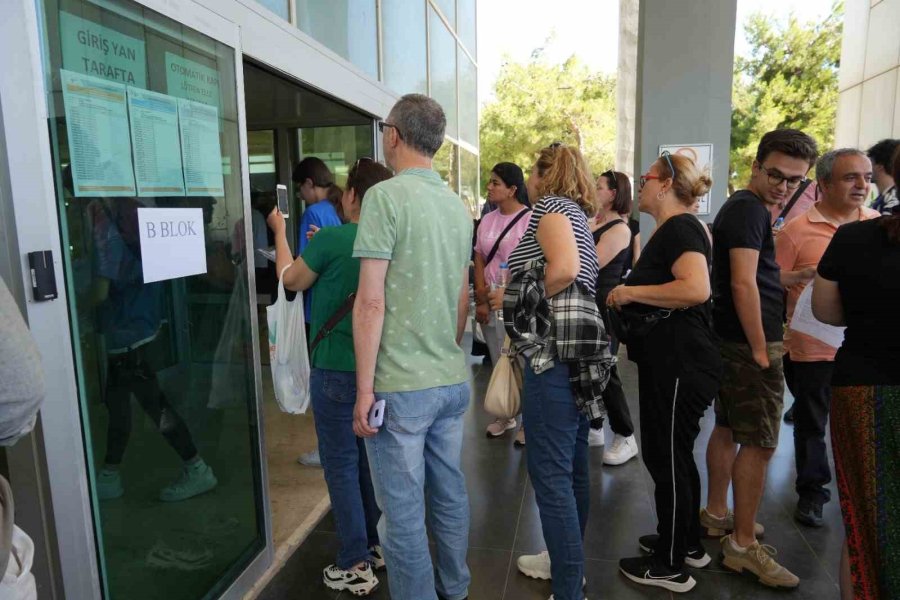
(611, 178)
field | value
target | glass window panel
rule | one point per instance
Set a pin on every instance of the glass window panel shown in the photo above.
(448, 7)
(465, 25)
(346, 26)
(166, 373)
(279, 7)
(442, 67)
(469, 190)
(403, 46)
(468, 100)
(446, 163)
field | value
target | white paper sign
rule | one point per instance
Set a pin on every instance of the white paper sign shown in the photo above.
(804, 321)
(173, 243)
(702, 155)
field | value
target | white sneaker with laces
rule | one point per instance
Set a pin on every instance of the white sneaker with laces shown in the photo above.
(596, 437)
(620, 451)
(360, 581)
(536, 566)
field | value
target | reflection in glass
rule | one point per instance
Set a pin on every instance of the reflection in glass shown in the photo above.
(349, 27)
(166, 376)
(468, 100)
(469, 190)
(403, 46)
(442, 67)
(279, 7)
(465, 26)
(448, 7)
(446, 163)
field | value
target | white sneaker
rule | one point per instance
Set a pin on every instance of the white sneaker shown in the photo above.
(377, 555)
(536, 566)
(596, 437)
(310, 459)
(620, 451)
(360, 581)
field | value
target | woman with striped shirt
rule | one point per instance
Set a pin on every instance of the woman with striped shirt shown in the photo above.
(558, 234)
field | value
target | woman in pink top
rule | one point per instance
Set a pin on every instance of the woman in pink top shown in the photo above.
(506, 190)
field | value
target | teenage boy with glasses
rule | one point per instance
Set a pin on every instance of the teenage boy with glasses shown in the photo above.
(748, 308)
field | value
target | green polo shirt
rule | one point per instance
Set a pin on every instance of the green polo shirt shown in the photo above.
(330, 255)
(418, 224)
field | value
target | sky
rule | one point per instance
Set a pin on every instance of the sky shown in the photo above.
(588, 28)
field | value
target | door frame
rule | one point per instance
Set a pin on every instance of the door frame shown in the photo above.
(30, 174)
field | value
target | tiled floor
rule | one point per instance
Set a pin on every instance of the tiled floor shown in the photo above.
(505, 524)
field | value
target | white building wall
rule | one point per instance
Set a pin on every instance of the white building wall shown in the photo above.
(869, 83)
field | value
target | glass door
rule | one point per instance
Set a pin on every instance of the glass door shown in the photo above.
(144, 131)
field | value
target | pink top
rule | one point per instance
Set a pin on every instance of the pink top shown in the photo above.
(803, 204)
(492, 225)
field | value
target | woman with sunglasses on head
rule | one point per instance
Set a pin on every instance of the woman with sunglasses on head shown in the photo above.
(498, 235)
(554, 263)
(327, 265)
(612, 238)
(679, 368)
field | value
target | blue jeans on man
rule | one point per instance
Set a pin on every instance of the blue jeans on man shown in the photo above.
(557, 436)
(346, 466)
(414, 456)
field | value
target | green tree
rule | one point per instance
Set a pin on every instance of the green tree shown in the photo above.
(789, 79)
(537, 103)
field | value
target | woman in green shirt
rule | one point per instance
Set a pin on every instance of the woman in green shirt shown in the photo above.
(327, 265)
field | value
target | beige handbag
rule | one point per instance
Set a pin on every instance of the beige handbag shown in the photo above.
(504, 392)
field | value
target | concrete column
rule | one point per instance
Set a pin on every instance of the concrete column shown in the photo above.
(685, 62)
(626, 82)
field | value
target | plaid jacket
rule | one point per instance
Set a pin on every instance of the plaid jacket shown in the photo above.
(568, 327)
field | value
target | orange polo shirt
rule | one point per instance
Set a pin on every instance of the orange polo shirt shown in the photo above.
(798, 246)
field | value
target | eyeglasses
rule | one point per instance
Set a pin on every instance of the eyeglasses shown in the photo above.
(360, 159)
(611, 178)
(666, 155)
(775, 178)
(555, 145)
(383, 124)
(645, 178)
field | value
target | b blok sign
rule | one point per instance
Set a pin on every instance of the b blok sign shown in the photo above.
(173, 243)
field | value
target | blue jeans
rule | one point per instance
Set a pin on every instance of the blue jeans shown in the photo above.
(346, 468)
(556, 433)
(414, 456)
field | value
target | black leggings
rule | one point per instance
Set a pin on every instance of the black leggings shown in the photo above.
(614, 396)
(130, 374)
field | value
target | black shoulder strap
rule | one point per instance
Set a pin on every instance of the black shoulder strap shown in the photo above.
(512, 224)
(796, 196)
(332, 322)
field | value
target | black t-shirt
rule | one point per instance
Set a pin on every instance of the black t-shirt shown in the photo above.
(745, 222)
(866, 267)
(685, 340)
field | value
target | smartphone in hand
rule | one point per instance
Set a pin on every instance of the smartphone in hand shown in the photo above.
(376, 414)
(281, 192)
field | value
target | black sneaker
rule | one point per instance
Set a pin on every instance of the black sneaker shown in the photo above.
(648, 570)
(377, 556)
(789, 415)
(809, 513)
(696, 557)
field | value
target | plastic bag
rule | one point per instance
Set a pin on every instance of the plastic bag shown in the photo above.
(229, 370)
(18, 582)
(503, 397)
(287, 352)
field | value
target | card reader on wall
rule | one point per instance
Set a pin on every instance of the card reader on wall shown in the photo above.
(43, 275)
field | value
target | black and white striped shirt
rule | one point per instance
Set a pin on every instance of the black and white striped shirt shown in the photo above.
(529, 249)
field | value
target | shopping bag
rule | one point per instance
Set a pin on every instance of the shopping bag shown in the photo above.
(504, 391)
(18, 582)
(287, 352)
(230, 362)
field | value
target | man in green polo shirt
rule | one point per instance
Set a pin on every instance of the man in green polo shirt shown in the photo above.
(414, 242)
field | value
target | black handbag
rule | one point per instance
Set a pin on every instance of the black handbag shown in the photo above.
(629, 324)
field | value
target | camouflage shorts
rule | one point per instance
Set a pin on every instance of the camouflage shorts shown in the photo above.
(751, 399)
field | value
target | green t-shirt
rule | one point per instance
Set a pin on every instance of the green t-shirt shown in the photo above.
(330, 255)
(417, 223)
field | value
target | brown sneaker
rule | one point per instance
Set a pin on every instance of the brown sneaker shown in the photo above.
(520, 437)
(500, 426)
(716, 527)
(758, 560)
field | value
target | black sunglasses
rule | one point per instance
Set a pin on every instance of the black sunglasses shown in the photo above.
(383, 124)
(611, 178)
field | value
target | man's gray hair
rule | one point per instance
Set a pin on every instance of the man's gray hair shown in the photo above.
(825, 166)
(421, 123)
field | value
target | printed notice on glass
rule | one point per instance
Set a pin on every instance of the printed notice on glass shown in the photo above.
(154, 137)
(93, 49)
(200, 148)
(173, 243)
(804, 321)
(188, 79)
(97, 126)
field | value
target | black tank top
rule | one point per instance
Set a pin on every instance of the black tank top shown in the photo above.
(611, 275)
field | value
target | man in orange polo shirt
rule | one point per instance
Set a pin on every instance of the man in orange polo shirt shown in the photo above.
(844, 178)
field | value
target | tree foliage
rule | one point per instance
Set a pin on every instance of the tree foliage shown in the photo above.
(537, 103)
(789, 79)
